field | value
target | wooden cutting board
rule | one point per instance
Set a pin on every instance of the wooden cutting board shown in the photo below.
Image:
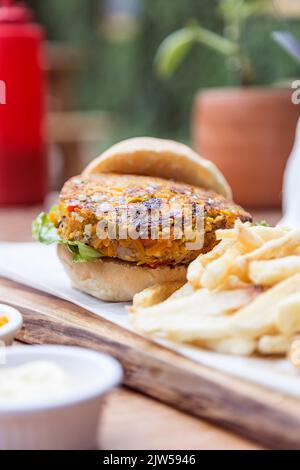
(262, 415)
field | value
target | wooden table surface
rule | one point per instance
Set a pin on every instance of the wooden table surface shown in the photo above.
(131, 420)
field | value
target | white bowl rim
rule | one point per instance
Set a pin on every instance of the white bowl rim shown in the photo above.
(15, 321)
(112, 376)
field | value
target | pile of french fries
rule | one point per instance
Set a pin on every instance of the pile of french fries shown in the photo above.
(243, 297)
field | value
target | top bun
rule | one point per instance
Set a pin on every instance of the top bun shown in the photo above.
(168, 159)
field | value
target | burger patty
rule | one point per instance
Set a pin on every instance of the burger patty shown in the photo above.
(87, 201)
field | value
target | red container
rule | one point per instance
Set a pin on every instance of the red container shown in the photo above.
(23, 168)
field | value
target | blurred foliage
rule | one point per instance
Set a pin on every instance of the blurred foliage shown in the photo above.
(119, 76)
(235, 14)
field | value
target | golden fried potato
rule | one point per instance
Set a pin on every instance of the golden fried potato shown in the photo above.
(277, 344)
(233, 345)
(154, 294)
(270, 272)
(242, 297)
(288, 315)
(277, 248)
(204, 315)
(259, 317)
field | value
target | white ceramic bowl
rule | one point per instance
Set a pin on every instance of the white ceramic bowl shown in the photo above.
(68, 422)
(10, 330)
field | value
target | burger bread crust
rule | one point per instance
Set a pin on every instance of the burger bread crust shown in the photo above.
(167, 159)
(114, 280)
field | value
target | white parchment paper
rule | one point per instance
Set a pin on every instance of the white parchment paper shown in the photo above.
(37, 266)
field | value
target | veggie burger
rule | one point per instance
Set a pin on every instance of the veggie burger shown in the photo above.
(131, 219)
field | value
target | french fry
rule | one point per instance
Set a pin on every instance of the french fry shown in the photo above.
(232, 282)
(248, 240)
(233, 345)
(195, 271)
(216, 252)
(294, 351)
(277, 344)
(226, 234)
(154, 295)
(288, 315)
(258, 318)
(217, 271)
(276, 248)
(197, 268)
(269, 233)
(204, 315)
(184, 291)
(270, 272)
(242, 297)
(240, 268)
(230, 234)
(265, 233)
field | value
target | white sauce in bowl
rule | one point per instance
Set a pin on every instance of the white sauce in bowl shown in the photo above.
(34, 381)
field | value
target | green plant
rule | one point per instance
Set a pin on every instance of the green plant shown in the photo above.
(234, 14)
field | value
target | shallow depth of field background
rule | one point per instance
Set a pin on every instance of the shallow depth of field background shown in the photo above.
(105, 49)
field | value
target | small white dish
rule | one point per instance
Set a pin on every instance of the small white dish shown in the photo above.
(69, 422)
(9, 331)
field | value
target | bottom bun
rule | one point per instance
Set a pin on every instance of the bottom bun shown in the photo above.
(114, 280)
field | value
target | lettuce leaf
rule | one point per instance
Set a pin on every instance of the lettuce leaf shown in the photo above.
(44, 231)
(82, 252)
(263, 223)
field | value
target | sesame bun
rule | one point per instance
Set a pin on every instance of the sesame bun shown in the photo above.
(168, 159)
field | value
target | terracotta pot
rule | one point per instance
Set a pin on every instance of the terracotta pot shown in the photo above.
(248, 133)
